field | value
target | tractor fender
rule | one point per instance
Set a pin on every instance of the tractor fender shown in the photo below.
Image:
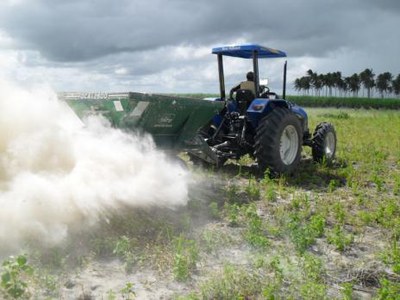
(260, 107)
(302, 115)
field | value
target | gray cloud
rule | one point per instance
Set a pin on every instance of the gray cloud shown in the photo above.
(83, 30)
(129, 39)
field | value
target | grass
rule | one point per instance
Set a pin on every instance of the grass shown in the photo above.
(327, 232)
(15, 276)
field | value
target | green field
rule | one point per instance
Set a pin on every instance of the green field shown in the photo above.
(336, 102)
(328, 232)
(346, 102)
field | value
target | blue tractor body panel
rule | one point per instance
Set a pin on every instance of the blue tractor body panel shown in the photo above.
(260, 107)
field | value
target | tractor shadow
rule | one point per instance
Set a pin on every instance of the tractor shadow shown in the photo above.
(309, 175)
(314, 176)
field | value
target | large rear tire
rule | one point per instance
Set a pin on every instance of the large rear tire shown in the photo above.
(324, 143)
(278, 142)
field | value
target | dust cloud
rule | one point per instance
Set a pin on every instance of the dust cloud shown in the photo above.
(56, 173)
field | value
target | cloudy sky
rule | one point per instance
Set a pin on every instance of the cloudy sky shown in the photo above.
(165, 46)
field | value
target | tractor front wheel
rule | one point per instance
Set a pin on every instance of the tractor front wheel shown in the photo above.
(324, 143)
(278, 142)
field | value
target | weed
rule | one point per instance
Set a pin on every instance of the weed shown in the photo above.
(275, 266)
(267, 185)
(232, 211)
(127, 291)
(299, 234)
(388, 290)
(232, 192)
(339, 212)
(50, 284)
(339, 238)
(366, 217)
(270, 193)
(252, 189)
(340, 115)
(185, 257)
(313, 271)
(379, 182)
(396, 187)
(211, 239)
(333, 185)
(311, 290)
(54, 257)
(190, 296)
(391, 256)
(233, 283)
(387, 212)
(312, 268)
(111, 295)
(317, 225)
(214, 211)
(347, 291)
(303, 233)
(123, 249)
(272, 285)
(255, 233)
(15, 273)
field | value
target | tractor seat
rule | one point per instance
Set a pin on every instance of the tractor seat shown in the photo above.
(243, 99)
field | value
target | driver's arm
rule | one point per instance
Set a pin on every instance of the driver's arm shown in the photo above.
(234, 89)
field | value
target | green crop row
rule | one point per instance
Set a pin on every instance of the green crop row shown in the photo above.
(367, 103)
(320, 101)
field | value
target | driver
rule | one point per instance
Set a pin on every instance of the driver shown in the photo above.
(245, 85)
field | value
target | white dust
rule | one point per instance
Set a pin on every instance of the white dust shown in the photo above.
(56, 173)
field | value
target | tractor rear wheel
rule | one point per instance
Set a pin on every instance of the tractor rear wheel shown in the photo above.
(278, 142)
(324, 143)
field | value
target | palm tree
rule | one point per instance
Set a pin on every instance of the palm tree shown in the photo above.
(312, 77)
(330, 82)
(354, 83)
(337, 80)
(317, 83)
(396, 85)
(367, 79)
(341, 85)
(383, 82)
(324, 81)
(305, 83)
(310, 73)
(297, 84)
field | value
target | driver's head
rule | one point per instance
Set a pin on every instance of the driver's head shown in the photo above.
(250, 76)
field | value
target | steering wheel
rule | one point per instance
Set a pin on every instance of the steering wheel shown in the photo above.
(264, 89)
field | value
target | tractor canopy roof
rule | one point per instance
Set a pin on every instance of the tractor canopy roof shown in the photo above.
(246, 51)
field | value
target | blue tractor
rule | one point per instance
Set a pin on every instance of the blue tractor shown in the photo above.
(260, 123)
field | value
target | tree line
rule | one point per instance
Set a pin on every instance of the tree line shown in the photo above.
(334, 84)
